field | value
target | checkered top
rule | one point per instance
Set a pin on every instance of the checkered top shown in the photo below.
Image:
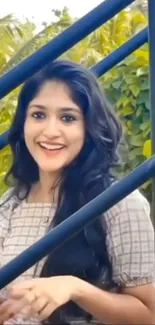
(129, 237)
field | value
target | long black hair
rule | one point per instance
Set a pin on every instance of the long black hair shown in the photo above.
(83, 179)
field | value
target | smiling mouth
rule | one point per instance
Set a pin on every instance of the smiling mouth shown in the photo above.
(50, 147)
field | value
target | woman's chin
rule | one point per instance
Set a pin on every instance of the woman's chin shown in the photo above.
(50, 169)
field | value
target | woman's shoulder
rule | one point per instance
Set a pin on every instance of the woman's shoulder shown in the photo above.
(7, 195)
(8, 199)
(133, 206)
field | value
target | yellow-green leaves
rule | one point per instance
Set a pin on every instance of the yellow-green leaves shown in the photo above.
(147, 149)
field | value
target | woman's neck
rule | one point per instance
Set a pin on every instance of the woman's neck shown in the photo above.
(45, 190)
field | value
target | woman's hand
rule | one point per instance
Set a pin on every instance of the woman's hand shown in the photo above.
(39, 297)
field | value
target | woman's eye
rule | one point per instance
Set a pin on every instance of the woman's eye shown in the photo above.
(68, 118)
(38, 115)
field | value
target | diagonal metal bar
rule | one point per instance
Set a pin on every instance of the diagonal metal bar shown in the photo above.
(121, 53)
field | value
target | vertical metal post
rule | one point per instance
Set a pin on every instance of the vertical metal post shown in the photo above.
(151, 12)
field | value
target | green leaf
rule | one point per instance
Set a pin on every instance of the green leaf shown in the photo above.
(147, 104)
(137, 140)
(139, 111)
(145, 84)
(130, 80)
(128, 110)
(147, 149)
(135, 90)
(143, 98)
(123, 101)
(145, 125)
(135, 152)
(142, 71)
(117, 84)
(146, 133)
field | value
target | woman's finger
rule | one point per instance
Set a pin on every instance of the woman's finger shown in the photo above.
(29, 284)
(16, 306)
(47, 311)
(2, 299)
(5, 306)
(39, 304)
(17, 293)
(11, 312)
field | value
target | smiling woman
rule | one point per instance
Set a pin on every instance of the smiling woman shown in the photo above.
(64, 140)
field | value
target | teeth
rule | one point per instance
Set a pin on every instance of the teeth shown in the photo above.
(50, 146)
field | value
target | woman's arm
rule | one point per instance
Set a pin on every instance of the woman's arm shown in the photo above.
(45, 295)
(132, 306)
(130, 245)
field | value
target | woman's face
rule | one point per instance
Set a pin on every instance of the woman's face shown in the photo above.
(54, 128)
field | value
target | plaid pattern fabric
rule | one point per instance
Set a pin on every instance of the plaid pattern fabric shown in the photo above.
(129, 238)
(28, 223)
(130, 241)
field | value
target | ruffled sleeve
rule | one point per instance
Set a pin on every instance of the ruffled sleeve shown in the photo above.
(130, 241)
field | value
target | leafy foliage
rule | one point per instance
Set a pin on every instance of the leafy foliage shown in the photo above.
(127, 86)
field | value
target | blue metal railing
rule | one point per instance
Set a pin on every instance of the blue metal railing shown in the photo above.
(151, 7)
(121, 53)
(111, 196)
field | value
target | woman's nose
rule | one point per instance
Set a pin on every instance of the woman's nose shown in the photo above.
(52, 128)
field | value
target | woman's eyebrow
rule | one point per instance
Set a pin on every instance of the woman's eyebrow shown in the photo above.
(64, 109)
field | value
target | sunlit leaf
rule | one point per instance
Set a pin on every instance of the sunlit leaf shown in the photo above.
(147, 149)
